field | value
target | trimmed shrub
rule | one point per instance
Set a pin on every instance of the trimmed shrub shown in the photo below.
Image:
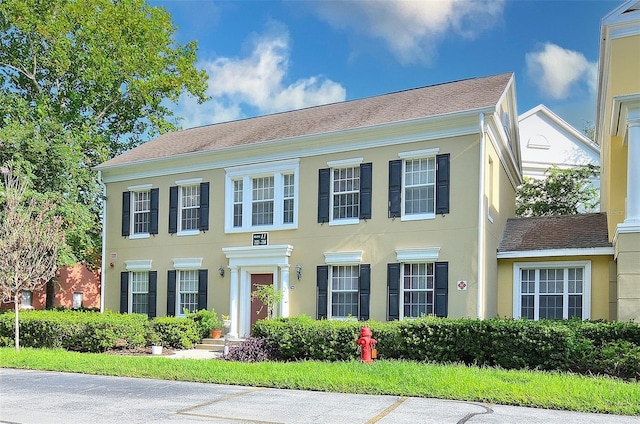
(174, 332)
(75, 331)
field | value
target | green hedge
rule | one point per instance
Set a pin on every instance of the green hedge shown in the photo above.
(177, 333)
(75, 331)
(610, 348)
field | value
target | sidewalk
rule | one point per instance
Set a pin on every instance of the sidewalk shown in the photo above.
(30, 397)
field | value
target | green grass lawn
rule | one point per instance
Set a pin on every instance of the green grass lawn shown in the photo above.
(521, 388)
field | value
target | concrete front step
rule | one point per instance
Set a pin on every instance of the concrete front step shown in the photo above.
(217, 345)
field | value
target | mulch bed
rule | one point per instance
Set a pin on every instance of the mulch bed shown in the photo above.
(138, 351)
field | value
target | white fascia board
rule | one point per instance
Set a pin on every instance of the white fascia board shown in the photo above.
(496, 133)
(581, 138)
(554, 253)
(394, 133)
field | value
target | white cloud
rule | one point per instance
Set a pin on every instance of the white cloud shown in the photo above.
(257, 83)
(411, 29)
(558, 71)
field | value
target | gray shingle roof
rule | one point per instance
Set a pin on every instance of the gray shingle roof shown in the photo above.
(434, 100)
(555, 232)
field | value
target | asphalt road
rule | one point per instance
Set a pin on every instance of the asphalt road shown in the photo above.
(55, 398)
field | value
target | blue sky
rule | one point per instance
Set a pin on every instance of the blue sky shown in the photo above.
(269, 56)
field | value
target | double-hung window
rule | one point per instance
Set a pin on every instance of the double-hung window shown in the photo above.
(417, 289)
(187, 286)
(140, 211)
(344, 192)
(552, 290)
(344, 291)
(139, 282)
(187, 281)
(419, 185)
(138, 288)
(26, 299)
(189, 207)
(263, 197)
(343, 286)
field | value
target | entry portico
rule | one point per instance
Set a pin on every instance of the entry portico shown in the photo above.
(245, 261)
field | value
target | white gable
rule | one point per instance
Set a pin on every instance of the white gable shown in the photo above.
(546, 140)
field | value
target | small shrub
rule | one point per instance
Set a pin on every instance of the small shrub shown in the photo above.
(205, 321)
(253, 349)
(174, 332)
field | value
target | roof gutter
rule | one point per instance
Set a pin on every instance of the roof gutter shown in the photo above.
(104, 240)
(481, 220)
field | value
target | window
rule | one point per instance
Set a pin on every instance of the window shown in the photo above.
(140, 211)
(262, 197)
(552, 290)
(78, 298)
(26, 300)
(187, 291)
(417, 290)
(419, 185)
(344, 192)
(139, 292)
(189, 207)
(344, 291)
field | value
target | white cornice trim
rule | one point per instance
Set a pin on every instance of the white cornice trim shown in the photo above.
(343, 258)
(253, 252)
(140, 187)
(418, 254)
(415, 154)
(190, 181)
(344, 163)
(187, 263)
(625, 108)
(138, 265)
(625, 228)
(554, 253)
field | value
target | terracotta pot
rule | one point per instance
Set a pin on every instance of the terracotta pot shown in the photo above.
(216, 334)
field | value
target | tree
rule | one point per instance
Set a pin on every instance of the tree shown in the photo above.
(82, 81)
(30, 237)
(562, 192)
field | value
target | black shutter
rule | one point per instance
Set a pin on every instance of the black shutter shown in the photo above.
(153, 294)
(322, 279)
(393, 287)
(153, 224)
(324, 191)
(204, 206)
(442, 183)
(366, 186)
(171, 293)
(441, 288)
(203, 277)
(395, 188)
(173, 210)
(124, 292)
(364, 291)
(126, 213)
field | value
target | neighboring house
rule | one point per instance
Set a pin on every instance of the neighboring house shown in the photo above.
(618, 134)
(74, 287)
(385, 208)
(546, 140)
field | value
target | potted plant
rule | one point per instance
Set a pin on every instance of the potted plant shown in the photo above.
(156, 343)
(208, 323)
(226, 323)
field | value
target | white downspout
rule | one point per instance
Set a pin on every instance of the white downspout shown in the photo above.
(104, 240)
(481, 222)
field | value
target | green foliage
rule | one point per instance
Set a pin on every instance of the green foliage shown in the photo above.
(562, 192)
(81, 81)
(205, 321)
(174, 332)
(585, 347)
(269, 297)
(76, 331)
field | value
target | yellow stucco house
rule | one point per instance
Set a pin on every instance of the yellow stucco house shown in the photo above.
(386, 207)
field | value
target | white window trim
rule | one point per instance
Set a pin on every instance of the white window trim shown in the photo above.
(345, 163)
(418, 254)
(330, 293)
(247, 173)
(137, 189)
(138, 265)
(343, 258)
(586, 288)
(187, 263)
(411, 155)
(130, 294)
(401, 285)
(181, 184)
(179, 311)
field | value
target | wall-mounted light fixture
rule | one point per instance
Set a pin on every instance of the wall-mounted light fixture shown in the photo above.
(221, 271)
(299, 271)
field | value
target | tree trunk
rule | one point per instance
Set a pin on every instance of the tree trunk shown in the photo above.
(17, 332)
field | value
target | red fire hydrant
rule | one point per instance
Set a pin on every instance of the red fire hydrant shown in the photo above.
(367, 345)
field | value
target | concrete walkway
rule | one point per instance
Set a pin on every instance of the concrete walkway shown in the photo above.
(30, 397)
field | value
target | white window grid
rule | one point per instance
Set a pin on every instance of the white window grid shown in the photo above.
(141, 207)
(288, 194)
(189, 207)
(237, 203)
(418, 280)
(139, 292)
(187, 290)
(345, 197)
(78, 298)
(26, 299)
(262, 202)
(344, 291)
(419, 180)
(552, 291)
